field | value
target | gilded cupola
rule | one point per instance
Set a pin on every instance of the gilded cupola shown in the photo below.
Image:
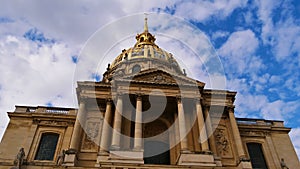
(144, 55)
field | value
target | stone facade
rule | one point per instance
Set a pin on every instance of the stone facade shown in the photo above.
(145, 113)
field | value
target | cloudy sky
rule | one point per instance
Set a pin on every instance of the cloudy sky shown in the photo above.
(258, 44)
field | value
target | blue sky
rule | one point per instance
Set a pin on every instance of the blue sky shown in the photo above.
(258, 43)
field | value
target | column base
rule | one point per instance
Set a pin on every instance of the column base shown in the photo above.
(218, 161)
(70, 160)
(131, 157)
(245, 164)
(102, 157)
(114, 148)
(203, 160)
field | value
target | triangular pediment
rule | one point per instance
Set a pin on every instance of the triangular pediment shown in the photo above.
(157, 76)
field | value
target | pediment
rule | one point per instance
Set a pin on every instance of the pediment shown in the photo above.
(161, 77)
(156, 77)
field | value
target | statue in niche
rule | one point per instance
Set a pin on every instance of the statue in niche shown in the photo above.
(61, 158)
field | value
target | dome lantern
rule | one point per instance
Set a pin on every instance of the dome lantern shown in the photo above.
(145, 37)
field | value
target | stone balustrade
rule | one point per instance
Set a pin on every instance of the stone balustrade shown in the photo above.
(44, 109)
(260, 122)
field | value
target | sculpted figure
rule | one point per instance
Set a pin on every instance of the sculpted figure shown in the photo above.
(283, 165)
(20, 158)
(61, 158)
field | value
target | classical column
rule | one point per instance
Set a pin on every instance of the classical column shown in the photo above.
(177, 137)
(116, 138)
(76, 136)
(138, 124)
(211, 138)
(106, 128)
(236, 134)
(182, 127)
(202, 128)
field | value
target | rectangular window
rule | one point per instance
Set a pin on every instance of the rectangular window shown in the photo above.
(47, 146)
(256, 156)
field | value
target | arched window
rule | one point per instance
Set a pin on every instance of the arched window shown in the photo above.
(47, 146)
(256, 156)
(136, 68)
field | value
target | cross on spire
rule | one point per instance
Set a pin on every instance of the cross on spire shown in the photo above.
(146, 24)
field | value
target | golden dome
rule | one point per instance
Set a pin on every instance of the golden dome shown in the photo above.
(146, 54)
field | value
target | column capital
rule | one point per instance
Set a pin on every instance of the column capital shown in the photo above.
(197, 99)
(138, 96)
(120, 94)
(102, 108)
(81, 101)
(206, 106)
(108, 100)
(179, 99)
(230, 109)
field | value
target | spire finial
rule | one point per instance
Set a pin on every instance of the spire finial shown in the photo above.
(146, 24)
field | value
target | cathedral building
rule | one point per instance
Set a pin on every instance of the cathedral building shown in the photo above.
(145, 113)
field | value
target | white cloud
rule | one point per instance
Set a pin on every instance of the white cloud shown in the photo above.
(287, 40)
(248, 17)
(249, 104)
(238, 52)
(295, 137)
(203, 10)
(265, 14)
(279, 110)
(72, 22)
(34, 74)
(239, 44)
(275, 79)
(283, 35)
(219, 34)
(136, 6)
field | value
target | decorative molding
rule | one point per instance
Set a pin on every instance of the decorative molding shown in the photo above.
(255, 133)
(52, 123)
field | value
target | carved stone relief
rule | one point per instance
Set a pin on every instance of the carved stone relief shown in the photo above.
(157, 77)
(91, 133)
(223, 142)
